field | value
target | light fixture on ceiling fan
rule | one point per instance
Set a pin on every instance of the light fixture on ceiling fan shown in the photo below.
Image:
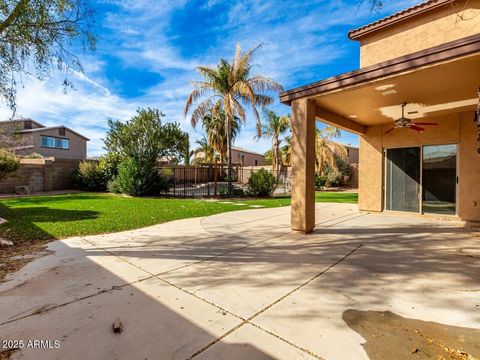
(403, 122)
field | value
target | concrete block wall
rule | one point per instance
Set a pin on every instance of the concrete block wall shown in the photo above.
(39, 175)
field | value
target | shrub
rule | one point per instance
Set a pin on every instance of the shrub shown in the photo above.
(320, 181)
(8, 163)
(33, 156)
(113, 186)
(340, 176)
(140, 179)
(261, 183)
(109, 164)
(89, 176)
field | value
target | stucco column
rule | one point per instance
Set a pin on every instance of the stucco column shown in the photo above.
(303, 165)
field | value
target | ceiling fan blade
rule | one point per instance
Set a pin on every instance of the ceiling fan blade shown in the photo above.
(386, 132)
(422, 123)
(416, 128)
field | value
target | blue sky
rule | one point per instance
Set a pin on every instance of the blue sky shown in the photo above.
(147, 52)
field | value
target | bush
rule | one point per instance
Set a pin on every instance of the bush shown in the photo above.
(8, 163)
(114, 187)
(261, 183)
(33, 156)
(140, 179)
(89, 176)
(339, 176)
(109, 164)
(320, 181)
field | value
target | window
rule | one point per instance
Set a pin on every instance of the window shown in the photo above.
(57, 143)
(61, 131)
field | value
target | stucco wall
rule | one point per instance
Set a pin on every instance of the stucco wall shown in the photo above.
(425, 31)
(248, 158)
(454, 128)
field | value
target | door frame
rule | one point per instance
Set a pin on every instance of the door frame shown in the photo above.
(420, 195)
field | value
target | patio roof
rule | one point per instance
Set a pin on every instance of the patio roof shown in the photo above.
(435, 81)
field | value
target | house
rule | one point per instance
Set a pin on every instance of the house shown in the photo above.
(247, 157)
(49, 141)
(353, 154)
(419, 74)
(240, 156)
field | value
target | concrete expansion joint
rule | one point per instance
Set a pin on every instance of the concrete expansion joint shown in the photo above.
(249, 320)
(100, 292)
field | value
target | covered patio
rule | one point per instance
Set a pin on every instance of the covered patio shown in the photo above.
(438, 84)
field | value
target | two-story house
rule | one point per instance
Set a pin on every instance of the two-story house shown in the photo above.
(412, 102)
(49, 141)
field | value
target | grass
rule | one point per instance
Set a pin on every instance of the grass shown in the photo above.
(59, 216)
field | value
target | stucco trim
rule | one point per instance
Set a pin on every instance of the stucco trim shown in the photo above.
(400, 16)
(428, 57)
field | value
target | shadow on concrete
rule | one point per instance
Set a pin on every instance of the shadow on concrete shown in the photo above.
(78, 304)
(23, 221)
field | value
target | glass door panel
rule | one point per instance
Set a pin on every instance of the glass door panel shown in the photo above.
(439, 177)
(402, 191)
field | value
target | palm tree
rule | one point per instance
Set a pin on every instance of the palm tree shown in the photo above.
(230, 87)
(205, 149)
(286, 150)
(214, 126)
(326, 150)
(274, 127)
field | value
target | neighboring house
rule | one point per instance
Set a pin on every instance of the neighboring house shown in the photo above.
(49, 141)
(241, 156)
(247, 157)
(428, 57)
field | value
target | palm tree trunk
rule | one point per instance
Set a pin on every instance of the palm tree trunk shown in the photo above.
(229, 150)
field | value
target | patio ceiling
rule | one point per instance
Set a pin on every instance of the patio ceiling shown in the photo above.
(438, 81)
(441, 89)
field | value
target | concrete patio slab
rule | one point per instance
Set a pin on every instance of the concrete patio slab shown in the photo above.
(241, 285)
(158, 319)
(69, 273)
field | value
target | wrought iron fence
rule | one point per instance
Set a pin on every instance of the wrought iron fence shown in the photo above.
(212, 181)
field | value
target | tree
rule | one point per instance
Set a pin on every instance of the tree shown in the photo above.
(145, 138)
(205, 149)
(326, 150)
(229, 87)
(8, 163)
(38, 34)
(274, 127)
(214, 126)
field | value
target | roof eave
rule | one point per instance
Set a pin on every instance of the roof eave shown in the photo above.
(414, 11)
(444, 52)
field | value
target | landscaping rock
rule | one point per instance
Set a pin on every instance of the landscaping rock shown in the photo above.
(117, 326)
(5, 243)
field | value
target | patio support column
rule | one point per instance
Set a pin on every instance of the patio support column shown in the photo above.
(303, 165)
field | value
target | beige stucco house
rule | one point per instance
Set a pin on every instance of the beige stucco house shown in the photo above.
(241, 156)
(49, 141)
(425, 61)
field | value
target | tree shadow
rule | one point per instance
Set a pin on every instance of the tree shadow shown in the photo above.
(23, 223)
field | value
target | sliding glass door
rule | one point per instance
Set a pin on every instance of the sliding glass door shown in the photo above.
(439, 179)
(402, 190)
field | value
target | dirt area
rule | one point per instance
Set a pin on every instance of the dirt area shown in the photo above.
(13, 258)
(390, 336)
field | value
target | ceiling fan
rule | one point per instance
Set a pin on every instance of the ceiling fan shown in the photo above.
(403, 122)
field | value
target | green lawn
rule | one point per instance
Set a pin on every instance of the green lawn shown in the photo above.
(59, 216)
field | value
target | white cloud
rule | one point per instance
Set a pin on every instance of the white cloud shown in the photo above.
(297, 37)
